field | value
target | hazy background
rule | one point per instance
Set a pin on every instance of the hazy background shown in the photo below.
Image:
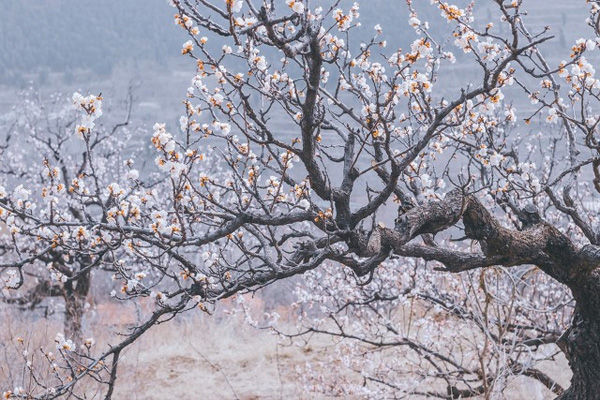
(107, 46)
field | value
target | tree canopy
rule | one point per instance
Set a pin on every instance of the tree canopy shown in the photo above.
(302, 146)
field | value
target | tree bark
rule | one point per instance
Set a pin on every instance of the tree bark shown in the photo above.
(536, 243)
(74, 309)
(581, 341)
(75, 295)
(581, 345)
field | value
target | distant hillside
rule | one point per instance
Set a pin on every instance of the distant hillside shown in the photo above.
(44, 36)
(39, 37)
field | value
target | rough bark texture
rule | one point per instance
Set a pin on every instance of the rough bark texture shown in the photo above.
(581, 345)
(537, 243)
(581, 341)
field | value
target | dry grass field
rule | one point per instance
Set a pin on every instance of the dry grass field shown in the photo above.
(198, 357)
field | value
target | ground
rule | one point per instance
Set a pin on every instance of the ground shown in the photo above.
(198, 356)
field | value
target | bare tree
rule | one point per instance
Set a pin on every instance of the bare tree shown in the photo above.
(371, 137)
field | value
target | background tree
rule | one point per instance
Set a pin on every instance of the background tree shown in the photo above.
(418, 333)
(45, 126)
(301, 146)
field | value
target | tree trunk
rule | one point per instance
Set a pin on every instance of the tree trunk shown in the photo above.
(581, 345)
(581, 342)
(537, 242)
(74, 309)
(75, 294)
